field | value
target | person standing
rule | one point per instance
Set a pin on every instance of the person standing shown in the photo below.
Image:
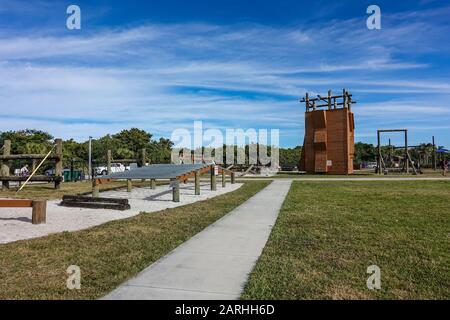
(444, 167)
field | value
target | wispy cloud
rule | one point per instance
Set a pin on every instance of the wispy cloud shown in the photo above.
(163, 76)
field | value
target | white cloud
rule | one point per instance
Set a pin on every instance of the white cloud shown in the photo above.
(160, 77)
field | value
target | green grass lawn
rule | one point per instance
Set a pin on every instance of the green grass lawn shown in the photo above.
(328, 233)
(427, 173)
(108, 254)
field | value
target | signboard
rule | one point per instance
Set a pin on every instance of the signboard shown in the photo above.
(216, 170)
(329, 163)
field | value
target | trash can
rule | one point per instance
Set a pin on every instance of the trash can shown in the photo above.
(68, 177)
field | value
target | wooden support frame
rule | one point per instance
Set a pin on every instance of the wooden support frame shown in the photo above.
(407, 158)
(39, 208)
(330, 101)
(6, 178)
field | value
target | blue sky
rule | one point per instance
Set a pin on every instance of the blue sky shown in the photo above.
(160, 65)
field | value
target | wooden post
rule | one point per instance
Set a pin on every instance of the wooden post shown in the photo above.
(233, 177)
(175, 190)
(307, 101)
(379, 152)
(59, 162)
(224, 179)
(5, 165)
(39, 211)
(153, 184)
(213, 179)
(329, 99)
(129, 185)
(108, 161)
(406, 152)
(95, 189)
(344, 97)
(143, 160)
(197, 183)
(434, 156)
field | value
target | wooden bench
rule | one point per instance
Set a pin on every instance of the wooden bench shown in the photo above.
(39, 208)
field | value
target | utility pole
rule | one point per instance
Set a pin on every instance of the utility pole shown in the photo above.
(90, 158)
(434, 156)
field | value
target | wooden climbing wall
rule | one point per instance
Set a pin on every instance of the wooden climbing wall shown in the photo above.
(329, 141)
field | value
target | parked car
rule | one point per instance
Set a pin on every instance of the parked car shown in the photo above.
(115, 167)
(51, 172)
(371, 165)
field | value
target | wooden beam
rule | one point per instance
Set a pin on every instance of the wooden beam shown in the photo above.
(16, 203)
(126, 160)
(191, 174)
(392, 130)
(28, 157)
(34, 178)
(103, 181)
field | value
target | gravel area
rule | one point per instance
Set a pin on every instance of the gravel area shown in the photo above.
(15, 223)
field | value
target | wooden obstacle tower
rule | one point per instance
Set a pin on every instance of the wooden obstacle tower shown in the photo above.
(328, 145)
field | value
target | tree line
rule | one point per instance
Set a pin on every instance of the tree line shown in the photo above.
(127, 145)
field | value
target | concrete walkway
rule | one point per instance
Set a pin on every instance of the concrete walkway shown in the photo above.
(215, 263)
